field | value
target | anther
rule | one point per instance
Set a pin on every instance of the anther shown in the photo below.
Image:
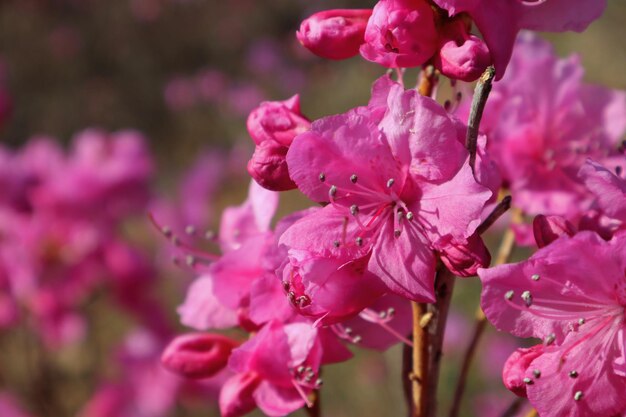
(537, 373)
(286, 285)
(319, 382)
(578, 395)
(336, 243)
(397, 233)
(190, 260)
(535, 277)
(300, 369)
(528, 381)
(322, 177)
(573, 374)
(409, 215)
(550, 339)
(391, 311)
(528, 298)
(333, 191)
(190, 230)
(357, 339)
(359, 241)
(390, 182)
(292, 297)
(581, 321)
(354, 209)
(509, 295)
(166, 231)
(353, 178)
(382, 314)
(209, 235)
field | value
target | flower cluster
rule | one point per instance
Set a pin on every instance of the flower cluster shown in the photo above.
(410, 33)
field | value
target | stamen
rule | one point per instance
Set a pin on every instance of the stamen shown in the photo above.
(190, 230)
(528, 298)
(409, 216)
(390, 182)
(509, 295)
(578, 396)
(573, 374)
(359, 241)
(332, 192)
(354, 209)
(550, 339)
(535, 277)
(353, 178)
(537, 373)
(322, 177)
(528, 381)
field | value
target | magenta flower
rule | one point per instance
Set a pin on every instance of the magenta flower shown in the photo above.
(198, 355)
(608, 213)
(500, 21)
(541, 136)
(400, 33)
(461, 56)
(272, 126)
(275, 371)
(571, 294)
(397, 186)
(334, 34)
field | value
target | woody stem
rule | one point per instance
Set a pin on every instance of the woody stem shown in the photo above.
(504, 254)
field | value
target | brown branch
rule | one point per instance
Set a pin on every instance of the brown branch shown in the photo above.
(502, 207)
(429, 321)
(514, 407)
(481, 93)
(504, 254)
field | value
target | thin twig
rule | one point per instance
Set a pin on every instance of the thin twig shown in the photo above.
(504, 254)
(498, 211)
(419, 374)
(481, 93)
(429, 322)
(514, 407)
(428, 81)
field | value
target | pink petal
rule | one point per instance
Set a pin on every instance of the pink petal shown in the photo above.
(202, 310)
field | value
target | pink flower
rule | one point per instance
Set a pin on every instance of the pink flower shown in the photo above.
(547, 229)
(500, 21)
(396, 187)
(400, 33)
(198, 355)
(334, 34)
(541, 136)
(275, 371)
(272, 126)
(609, 209)
(9, 407)
(461, 55)
(571, 294)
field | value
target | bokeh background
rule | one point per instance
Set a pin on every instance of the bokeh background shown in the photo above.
(186, 73)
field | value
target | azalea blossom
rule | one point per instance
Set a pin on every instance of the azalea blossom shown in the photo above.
(499, 21)
(396, 178)
(571, 294)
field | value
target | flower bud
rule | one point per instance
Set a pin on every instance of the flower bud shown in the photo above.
(464, 258)
(280, 121)
(461, 56)
(334, 34)
(268, 166)
(400, 33)
(515, 373)
(547, 229)
(198, 355)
